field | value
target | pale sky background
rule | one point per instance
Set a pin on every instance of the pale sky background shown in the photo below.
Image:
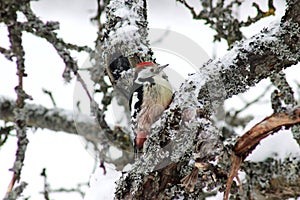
(63, 155)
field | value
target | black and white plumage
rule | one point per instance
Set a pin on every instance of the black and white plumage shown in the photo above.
(152, 93)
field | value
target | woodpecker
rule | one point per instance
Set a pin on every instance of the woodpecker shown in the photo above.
(152, 94)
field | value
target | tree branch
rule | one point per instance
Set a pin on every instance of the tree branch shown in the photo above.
(247, 143)
(247, 63)
(15, 38)
(226, 24)
(279, 179)
(57, 119)
(16, 192)
(184, 139)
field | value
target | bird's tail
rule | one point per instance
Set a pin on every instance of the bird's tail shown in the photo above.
(140, 138)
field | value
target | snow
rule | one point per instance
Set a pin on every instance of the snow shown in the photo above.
(102, 186)
(122, 12)
(127, 34)
(266, 36)
(58, 158)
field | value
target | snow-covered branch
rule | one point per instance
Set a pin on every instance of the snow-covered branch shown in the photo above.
(57, 119)
(125, 41)
(185, 128)
(185, 152)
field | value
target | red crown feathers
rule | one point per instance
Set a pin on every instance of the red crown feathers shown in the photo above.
(144, 64)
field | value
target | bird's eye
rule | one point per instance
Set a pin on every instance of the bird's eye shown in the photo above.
(151, 70)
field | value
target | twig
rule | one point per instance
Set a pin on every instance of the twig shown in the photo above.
(15, 193)
(101, 5)
(76, 190)
(5, 131)
(233, 118)
(103, 166)
(254, 100)
(227, 25)
(7, 53)
(15, 37)
(48, 190)
(83, 84)
(46, 185)
(260, 14)
(46, 31)
(50, 95)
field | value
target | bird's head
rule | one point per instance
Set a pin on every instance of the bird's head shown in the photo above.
(144, 71)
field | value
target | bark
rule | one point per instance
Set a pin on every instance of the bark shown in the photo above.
(183, 144)
(57, 119)
(248, 62)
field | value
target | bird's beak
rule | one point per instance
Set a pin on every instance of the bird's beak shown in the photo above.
(162, 67)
